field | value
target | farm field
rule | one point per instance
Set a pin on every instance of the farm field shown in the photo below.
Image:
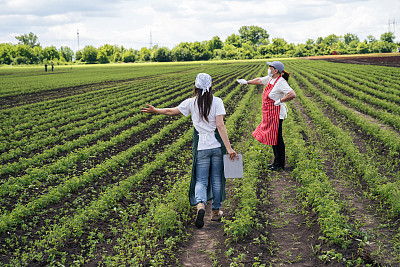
(86, 179)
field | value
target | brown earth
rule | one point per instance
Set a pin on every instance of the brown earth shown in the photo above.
(389, 60)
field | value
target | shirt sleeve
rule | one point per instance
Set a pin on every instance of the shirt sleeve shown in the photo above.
(265, 79)
(219, 109)
(284, 87)
(185, 107)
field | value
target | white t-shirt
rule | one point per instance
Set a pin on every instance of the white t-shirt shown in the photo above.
(280, 89)
(206, 129)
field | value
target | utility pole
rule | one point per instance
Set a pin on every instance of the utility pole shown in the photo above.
(394, 27)
(77, 33)
(390, 22)
(151, 41)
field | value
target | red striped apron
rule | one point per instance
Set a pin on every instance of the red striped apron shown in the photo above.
(267, 131)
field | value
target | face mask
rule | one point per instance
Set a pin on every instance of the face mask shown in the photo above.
(269, 72)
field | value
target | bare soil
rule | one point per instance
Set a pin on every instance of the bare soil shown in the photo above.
(389, 60)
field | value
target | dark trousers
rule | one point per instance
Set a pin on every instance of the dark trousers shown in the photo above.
(279, 149)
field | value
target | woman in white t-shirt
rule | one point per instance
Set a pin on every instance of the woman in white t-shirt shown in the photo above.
(210, 142)
(277, 91)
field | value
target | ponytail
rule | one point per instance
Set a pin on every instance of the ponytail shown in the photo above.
(204, 101)
(285, 75)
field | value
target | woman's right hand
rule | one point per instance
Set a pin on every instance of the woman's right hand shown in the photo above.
(242, 81)
(232, 154)
(149, 109)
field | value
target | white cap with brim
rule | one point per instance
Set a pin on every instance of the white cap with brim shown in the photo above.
(277, 65)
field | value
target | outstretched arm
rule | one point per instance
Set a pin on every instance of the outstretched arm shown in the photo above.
(164, 111)
(253, 81)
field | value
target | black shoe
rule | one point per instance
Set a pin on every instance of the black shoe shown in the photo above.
(200, 218)
(275, 168)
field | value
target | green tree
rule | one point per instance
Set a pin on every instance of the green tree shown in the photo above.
(102, 57)
(387, 37)
(301, 51)
(231, 51)
(181, 54)
(331, 39)
(215, 43)
(51, 53)
(66, 53)
(162, 54)
(109, 50)
(219, 54)
(145, 54)
(89, 54)
(309, 44)
(117, 56)
(234, 40)
(247, 51)
(370, 39)
(264, 50)
(6, 53)
(38, 52)
(256, 35)
(382, 47)
(352, 47)
(341, 47)
(349, 37)
(362, 48)
(78, 55)
(199, 51)
(28, 39)
(24, 54)
(129, 56)
(278, 46)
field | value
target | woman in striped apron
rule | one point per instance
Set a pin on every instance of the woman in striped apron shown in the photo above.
(277, 91)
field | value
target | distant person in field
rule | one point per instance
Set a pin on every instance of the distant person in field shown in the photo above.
(210, 142)
(277, 91)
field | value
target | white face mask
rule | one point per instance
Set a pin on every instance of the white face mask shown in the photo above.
(269, 72)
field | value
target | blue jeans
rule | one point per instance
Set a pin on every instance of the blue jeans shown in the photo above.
(209, 164)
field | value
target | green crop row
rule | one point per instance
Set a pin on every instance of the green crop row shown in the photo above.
(129, 111)
(362, 92)
(80, 75)
(389, 138)
(47, 137)
(12, 187)
(377, 182)
(157, 221)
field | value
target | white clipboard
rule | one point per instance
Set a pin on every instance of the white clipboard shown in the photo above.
(233, 169)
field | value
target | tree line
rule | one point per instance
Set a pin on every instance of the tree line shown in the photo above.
(252, 42)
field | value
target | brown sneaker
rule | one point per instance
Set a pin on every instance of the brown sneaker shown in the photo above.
(200, 215)
(216, 215)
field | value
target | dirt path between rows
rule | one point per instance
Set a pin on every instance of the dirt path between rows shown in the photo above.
(284, 233)
(287, 236)
(202, 242)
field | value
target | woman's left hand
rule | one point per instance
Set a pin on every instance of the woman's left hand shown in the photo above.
(278, 102)
(232, 154)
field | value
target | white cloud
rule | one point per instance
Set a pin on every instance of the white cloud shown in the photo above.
(129, 22)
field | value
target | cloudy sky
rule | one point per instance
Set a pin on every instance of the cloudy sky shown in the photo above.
(129, 22)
